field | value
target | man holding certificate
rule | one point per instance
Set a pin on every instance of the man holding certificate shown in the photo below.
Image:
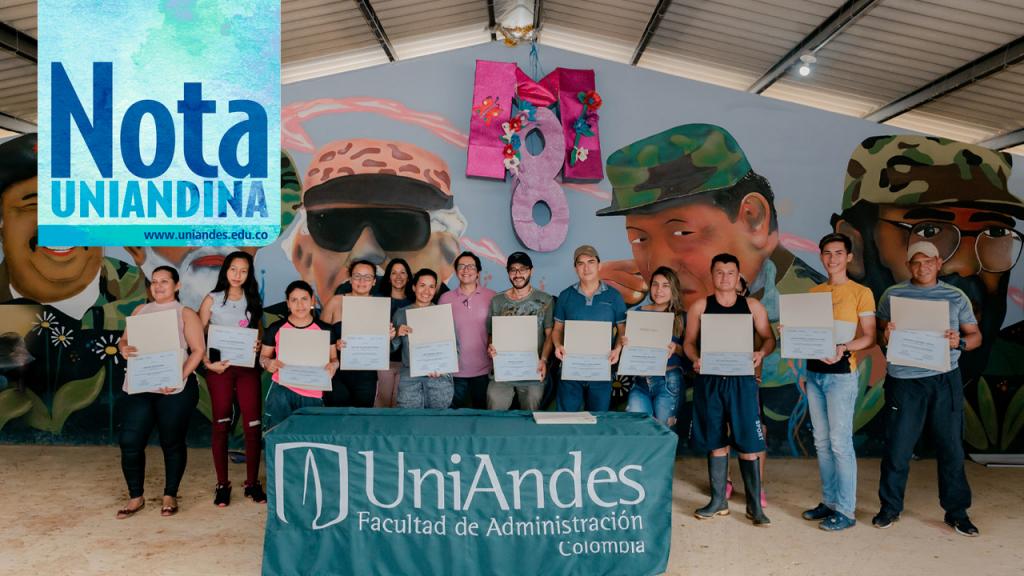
(915, 395)
(521, 300)
(592, 300)
(434, 347)
(726, 391)
(832, 385)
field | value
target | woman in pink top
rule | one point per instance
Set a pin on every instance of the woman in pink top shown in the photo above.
(281, 401)
(168, 409)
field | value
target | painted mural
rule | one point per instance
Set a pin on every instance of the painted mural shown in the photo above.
(375, 168)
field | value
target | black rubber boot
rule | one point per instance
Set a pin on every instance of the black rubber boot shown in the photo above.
(718, 469)
(751, 472)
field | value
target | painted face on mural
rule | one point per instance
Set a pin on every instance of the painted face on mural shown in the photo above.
(903, 189)
(375, 200)
(41, 273)
(198, 266)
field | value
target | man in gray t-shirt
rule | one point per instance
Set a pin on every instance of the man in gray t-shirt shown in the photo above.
(916, 396)
(522, 299)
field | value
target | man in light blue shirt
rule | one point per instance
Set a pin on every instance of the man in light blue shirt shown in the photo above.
(916, 396)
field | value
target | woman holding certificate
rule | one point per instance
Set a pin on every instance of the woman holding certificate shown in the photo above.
(166, 404)
(231, 316)
(397, 285)
(283, 399)
(434, 390)
(658, 395)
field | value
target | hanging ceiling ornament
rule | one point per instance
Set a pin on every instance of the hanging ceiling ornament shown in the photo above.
(516, 23)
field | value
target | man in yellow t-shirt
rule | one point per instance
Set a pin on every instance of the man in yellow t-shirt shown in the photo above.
(832, 387)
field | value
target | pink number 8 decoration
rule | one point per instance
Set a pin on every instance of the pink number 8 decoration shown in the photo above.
(535, 182)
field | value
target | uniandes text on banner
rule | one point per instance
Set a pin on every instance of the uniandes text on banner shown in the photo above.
(472, 492)
(159, 122)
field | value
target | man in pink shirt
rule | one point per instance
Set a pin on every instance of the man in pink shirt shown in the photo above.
(471, 303)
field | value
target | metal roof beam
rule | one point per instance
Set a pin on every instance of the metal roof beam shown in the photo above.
(538, 6)
(492, 22)
(652, 27)
(1004, 140)
(16, 41)
(995, 61)
(13, 124)
(835, 24)
(377, 28)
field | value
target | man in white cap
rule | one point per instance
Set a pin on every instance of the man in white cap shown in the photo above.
(917, 396)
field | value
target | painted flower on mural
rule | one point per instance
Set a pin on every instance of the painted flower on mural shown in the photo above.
(45, 322)
(61, 336)
(106, 348)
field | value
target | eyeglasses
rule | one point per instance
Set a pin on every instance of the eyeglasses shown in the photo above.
(997, 248)
(518, 271)
(361, 277)
(466, 267)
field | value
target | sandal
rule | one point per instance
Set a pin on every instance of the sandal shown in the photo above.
(169, 510)
(255, 491)
(127, 512)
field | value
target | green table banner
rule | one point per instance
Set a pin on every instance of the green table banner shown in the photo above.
(407, 492)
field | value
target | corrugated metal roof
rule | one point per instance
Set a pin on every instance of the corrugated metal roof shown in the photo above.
(887, 50)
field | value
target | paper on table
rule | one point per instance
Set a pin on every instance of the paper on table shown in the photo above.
(587, 337)
(812, 310)
(726, 333)
(431, 324)
(564, 418)
(365, 315)
(514, 333)
(153, 332)
(914, 314)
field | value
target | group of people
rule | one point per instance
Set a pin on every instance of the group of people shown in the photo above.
(726, 411)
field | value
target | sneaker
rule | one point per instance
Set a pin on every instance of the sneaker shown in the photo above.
(884, 519)
(728, 489)
(963, 526)
(222, 495)
(819, 512)
(836, 522)
(255, 491)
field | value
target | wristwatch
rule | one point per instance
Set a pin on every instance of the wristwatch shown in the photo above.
(962, 346)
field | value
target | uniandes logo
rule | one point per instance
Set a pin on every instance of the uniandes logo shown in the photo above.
(228, 183)
(326, 486)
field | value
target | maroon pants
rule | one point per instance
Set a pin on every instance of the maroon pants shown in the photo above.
(243, 384)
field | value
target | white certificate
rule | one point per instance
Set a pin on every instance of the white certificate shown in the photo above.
(235, 344)
(305, 354)
(365, 323)
(727, 344)
(153, 371)
(159, 358)
(428, 357)
(432, 340)
(648, 334)
(808, 327)
(919, 338)
(919, 349)
(515, 339)
(516, 366)
(587, 345)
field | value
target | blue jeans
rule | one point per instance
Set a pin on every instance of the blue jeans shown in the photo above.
(656, 395)
(831, 401)
(572, 393)
(281, 402)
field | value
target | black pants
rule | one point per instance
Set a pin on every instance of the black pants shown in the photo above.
(471, 392)
(909, 405)
(356, 388)
(170, 414)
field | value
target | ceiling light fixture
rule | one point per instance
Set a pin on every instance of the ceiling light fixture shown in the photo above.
(806, 61)
(516, 23)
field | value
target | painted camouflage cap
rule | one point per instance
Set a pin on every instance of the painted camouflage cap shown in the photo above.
(904, 169)
(678, 163)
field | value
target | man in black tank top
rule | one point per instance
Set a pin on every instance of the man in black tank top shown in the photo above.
(721, 401)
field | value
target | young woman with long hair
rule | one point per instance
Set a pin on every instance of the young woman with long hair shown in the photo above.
(658, 395)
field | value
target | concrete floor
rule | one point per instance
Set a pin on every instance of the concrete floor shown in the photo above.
(57, 509)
